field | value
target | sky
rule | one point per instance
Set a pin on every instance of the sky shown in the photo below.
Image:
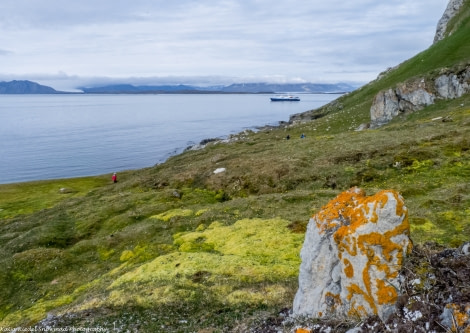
(68, 44)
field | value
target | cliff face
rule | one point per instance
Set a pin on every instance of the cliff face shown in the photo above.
(452, 9)
(441, 80)
(416, 94)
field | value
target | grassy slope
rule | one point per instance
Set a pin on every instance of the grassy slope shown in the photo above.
(179, 247)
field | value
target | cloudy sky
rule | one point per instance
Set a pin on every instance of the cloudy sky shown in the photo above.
(70, 43)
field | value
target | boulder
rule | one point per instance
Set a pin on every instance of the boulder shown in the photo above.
(351, 257)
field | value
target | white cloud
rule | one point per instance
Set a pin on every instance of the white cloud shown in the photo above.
(292, 40)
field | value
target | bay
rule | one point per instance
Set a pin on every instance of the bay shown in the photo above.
(63, 136)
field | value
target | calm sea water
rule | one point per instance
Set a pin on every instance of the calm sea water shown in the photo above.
(62, 136)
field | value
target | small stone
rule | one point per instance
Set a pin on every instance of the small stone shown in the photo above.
(465, 248)
(219, 170)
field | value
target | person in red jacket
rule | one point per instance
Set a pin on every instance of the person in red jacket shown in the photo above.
(114, 178)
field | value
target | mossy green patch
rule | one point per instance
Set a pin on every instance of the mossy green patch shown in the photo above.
(36, 312)
(104, 253)
(248, 252)
(168, 215)
(25, 198)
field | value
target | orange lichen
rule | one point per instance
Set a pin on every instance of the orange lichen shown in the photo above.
(345, 215)
(462, 319)
(333, 300)
(348, 243)
(303, 330)
(333, 214)
(348, 268)
(357, 311)
(355, 289)
(386, 294)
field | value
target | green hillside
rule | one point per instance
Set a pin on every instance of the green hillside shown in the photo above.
(179, 248)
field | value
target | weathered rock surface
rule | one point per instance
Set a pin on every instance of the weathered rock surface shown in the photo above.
(351, 258)
(384, 108)
(451, 10)
(452, 85)
(413, 95)
(416, 94)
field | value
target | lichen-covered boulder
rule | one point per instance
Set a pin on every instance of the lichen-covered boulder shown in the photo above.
(351, 257)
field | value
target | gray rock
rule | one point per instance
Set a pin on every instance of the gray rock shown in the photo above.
(362, 127)
(414, 95)
(355, 330)
(452, 86)
(351, 257)
(66, 190)
(452, 9)
(409, 96)
(465, 248)
(384, 108)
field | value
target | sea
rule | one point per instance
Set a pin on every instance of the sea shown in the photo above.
(73, 135)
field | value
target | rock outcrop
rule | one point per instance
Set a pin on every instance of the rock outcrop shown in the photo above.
(452, 9)
(408, 96)
(452, 85)
(351, 258)
(416, 94)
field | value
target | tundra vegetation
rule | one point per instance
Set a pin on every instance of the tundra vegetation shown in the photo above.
(177, 248)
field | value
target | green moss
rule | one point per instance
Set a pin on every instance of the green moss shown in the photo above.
(250, 251)
(268, 295)
(36, 312)
(126, 255)
(26, 198)
(104, 253)
(424, 226)
(420, 165)
(201, 211)
(168, 215)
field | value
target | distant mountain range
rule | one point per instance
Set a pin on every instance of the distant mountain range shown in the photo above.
(28, 87)
(251, 88)
(25, 87)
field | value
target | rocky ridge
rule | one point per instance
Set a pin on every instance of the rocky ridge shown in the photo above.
(452, 9)
(417, 93)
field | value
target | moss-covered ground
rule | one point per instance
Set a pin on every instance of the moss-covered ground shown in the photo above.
(178, 248)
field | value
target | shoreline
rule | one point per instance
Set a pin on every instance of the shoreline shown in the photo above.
(173, 151)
